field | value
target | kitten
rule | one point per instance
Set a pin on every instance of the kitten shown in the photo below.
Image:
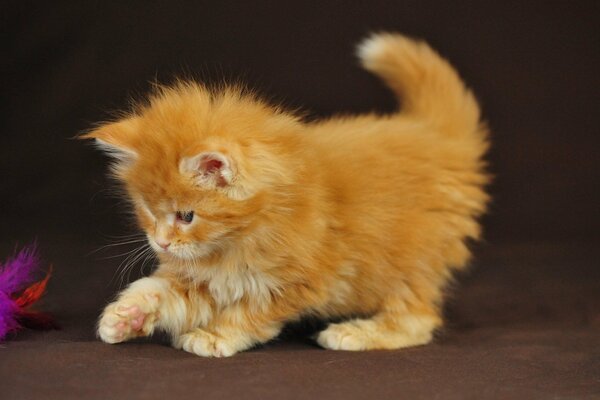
(259, 218)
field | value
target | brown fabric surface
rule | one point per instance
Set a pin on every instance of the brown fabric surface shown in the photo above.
(524, 323)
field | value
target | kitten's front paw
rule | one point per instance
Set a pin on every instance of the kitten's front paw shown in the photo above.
(125, 320)
(343, 336)
(205, 344)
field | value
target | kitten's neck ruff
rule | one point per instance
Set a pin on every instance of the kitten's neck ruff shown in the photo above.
(230, 275)
(229, 278)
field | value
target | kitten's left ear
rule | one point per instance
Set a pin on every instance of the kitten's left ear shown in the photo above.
(117, 139)
(209, 168)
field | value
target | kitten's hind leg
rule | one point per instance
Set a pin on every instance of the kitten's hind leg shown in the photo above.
(396, 326)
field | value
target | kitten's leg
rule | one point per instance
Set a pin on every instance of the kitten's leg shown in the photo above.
(235, 330)
(396, 326)
(208, 343)
(146, 304)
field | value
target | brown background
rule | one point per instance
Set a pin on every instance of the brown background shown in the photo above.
(534, 66)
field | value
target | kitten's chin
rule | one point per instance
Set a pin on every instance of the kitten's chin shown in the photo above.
(189, 253)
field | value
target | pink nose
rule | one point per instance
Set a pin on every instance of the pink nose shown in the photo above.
(163, 245)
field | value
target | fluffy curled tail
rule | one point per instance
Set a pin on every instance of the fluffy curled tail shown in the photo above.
(427, 84)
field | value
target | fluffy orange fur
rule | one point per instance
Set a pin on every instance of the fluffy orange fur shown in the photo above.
(362, 218)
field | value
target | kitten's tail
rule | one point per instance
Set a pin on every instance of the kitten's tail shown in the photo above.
(428, 85)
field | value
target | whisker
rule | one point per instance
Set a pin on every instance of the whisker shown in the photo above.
(132, 256)
(107, 246)
(134, 260)
(120, 255)
(149, 257)
(119, 237)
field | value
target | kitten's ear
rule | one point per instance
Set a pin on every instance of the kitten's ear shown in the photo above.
(209, 168)
(116, 139)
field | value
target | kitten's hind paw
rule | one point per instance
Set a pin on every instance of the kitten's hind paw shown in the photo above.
(369, 334)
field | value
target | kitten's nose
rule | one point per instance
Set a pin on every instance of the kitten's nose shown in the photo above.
(163, 244)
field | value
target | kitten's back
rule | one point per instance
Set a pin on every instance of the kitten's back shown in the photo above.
(416, 175)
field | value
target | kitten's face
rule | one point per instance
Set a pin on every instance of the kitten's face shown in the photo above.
(194, 167)
(183, 219)
(185, 227)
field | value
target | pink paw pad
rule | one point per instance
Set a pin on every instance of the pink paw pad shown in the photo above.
(135, 315)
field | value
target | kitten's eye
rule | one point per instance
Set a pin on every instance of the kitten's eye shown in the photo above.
(184, 216)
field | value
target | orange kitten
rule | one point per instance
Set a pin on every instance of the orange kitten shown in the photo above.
(259, 218)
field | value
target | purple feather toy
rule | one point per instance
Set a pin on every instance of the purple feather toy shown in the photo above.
(18, 292)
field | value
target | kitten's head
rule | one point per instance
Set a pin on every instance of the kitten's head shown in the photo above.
(202, 167)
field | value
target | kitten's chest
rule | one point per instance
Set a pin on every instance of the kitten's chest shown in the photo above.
(228, 286)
